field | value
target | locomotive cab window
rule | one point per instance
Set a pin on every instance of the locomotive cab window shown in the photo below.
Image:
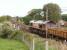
(40, 25)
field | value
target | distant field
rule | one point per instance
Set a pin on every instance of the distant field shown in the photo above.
(6, 44)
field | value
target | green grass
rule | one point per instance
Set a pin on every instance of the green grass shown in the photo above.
(6, 44)
(41, 46)
(65, 27)
(39, 42)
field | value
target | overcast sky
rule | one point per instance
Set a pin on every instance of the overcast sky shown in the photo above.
(21, 7)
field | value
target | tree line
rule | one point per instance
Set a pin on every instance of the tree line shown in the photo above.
(54, 14)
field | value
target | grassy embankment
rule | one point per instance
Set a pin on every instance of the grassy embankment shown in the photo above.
(6, 44)
(39, 43)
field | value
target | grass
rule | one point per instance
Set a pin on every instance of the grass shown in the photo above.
(65, 27)
(40, 42)
(41, 46)
(6, 44)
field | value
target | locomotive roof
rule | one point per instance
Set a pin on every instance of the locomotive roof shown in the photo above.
(32, 21)
(39, 21)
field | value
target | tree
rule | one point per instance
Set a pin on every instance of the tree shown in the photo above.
(34, 14)
(5, 18)
(54, 12)
(26, 19)
(64, 17)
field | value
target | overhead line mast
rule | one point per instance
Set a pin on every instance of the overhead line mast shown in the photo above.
(46, 20)
(46, 28)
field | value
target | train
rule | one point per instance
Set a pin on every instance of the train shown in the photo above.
(39, 27)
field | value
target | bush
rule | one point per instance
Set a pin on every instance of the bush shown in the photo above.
(5, 33)
(11, 34)
(17, 35)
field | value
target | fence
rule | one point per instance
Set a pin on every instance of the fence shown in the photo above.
(35, 42)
